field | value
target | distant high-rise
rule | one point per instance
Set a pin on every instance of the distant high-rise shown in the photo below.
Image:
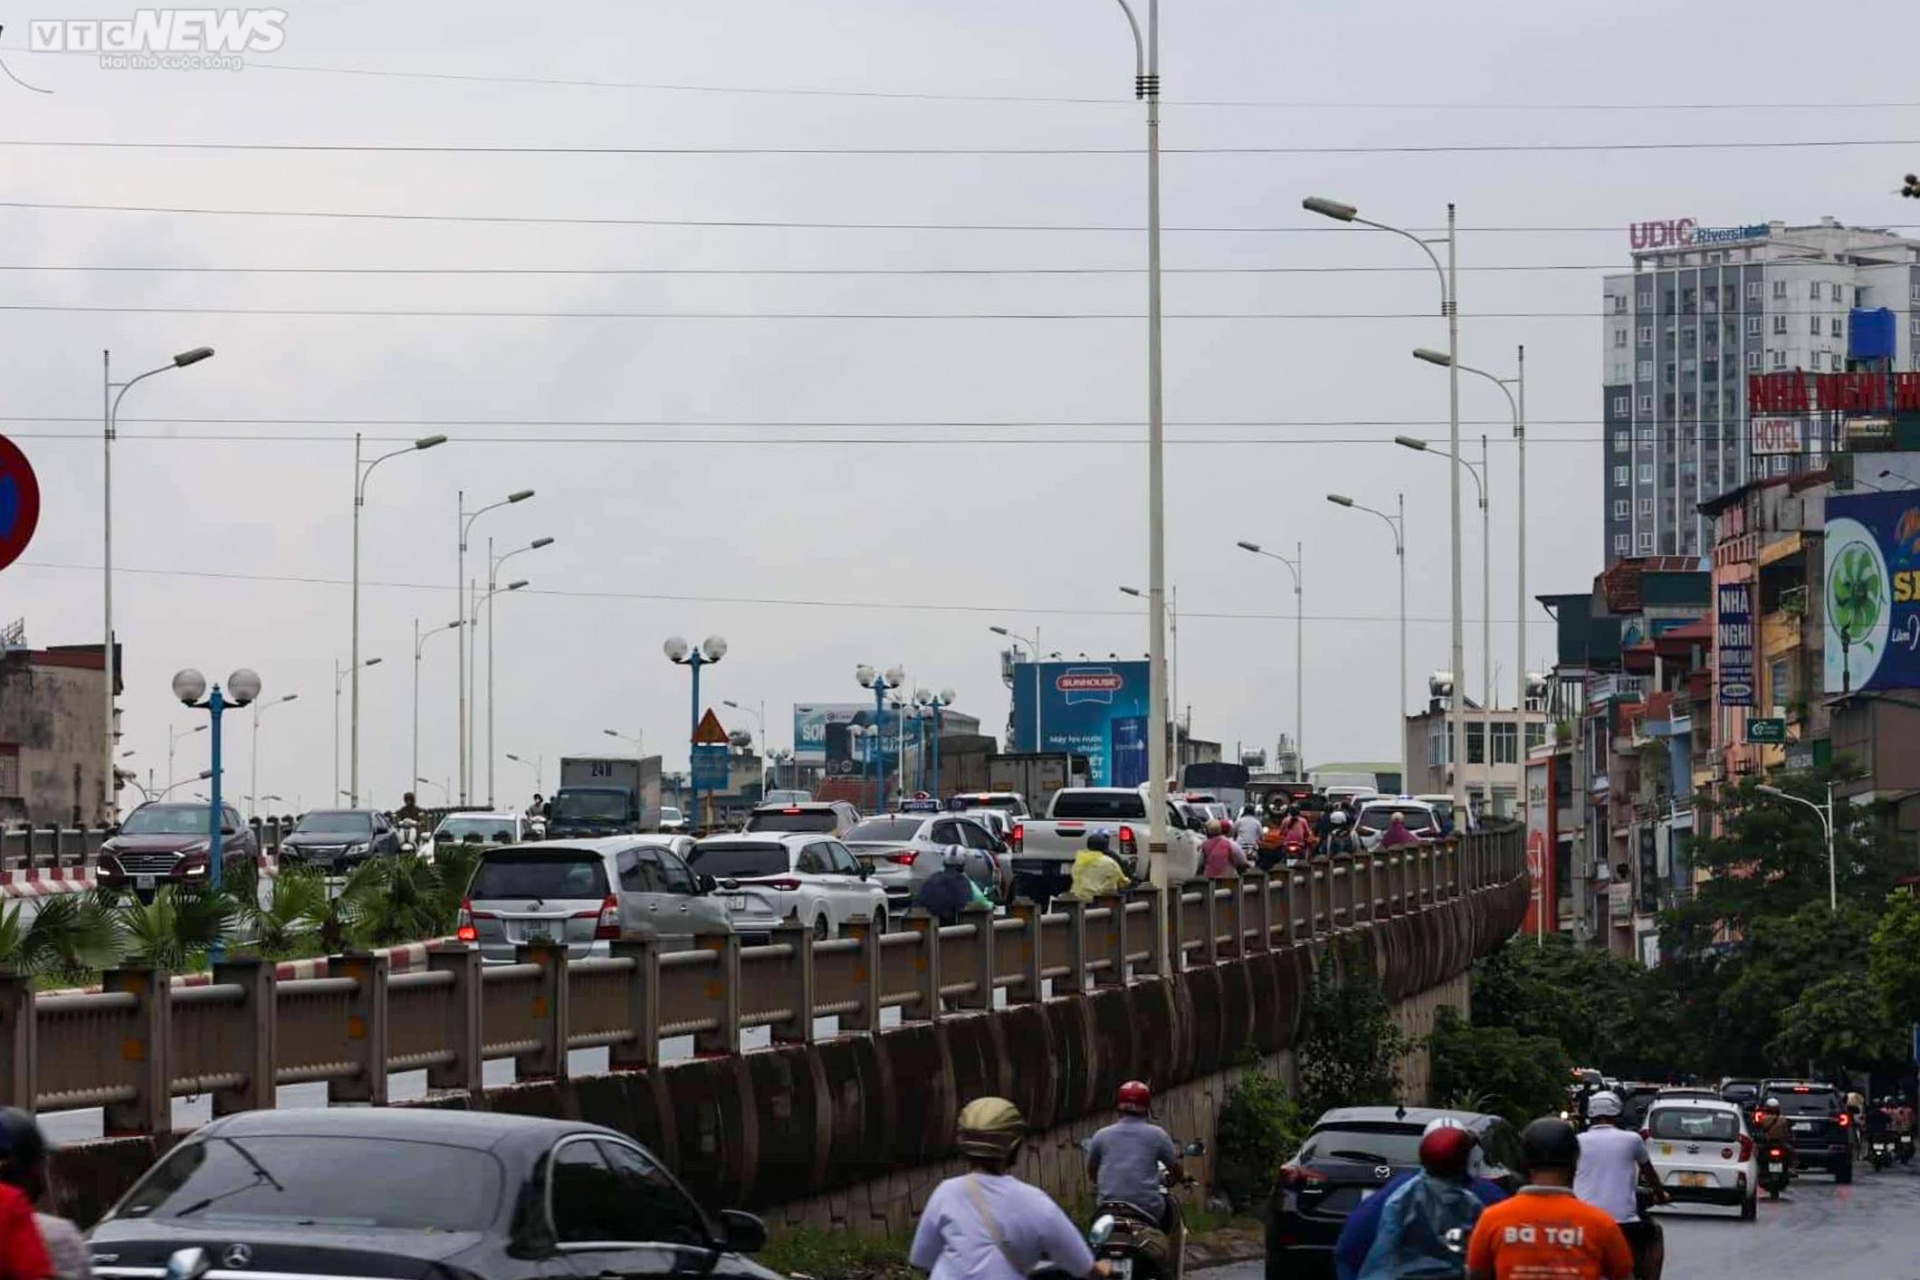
(1703, 308)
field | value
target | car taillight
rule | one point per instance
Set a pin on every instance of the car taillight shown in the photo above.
(606, 919)
(1746, 1148)
(903, 857)
(1845, 1120)
(1776, 1152)
(1126, 840)
(782, 885)
(465, 931)
(1295, 1177)
(1019, 837)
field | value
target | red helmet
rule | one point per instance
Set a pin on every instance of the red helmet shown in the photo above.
(1134, 1096)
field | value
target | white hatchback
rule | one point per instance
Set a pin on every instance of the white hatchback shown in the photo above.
(1703, 1153)
(769, 877)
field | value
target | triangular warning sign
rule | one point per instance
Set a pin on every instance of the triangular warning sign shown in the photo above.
(711, 732)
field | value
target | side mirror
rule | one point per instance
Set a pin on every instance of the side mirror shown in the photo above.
(866, 870)
(706, 884)
(229, 831)
(188, 1264)
(744, 1232)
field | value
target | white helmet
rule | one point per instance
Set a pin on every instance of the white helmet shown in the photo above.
(1338, 818)
(1604, 1105)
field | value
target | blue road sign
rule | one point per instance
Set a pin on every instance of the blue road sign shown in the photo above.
(19, 502)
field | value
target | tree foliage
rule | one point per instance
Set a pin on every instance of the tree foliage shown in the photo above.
(1350, 1052)
(1259, 1128)
(1598, 1007)
(1833, 1025)
(1514, 1075)
(1894, 960)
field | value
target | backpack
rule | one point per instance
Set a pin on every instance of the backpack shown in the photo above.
(1423, 1232)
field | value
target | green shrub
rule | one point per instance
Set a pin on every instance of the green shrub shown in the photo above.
(835, 1255)
(1257, 1131)
(1516, 1076)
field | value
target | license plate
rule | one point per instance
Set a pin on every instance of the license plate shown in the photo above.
(1666, 1148)
(1803, 1127)
(1033, 866)
(737, 903)
(143, 882)
(1692, 1180)
(1121, 1268)
(539, 933)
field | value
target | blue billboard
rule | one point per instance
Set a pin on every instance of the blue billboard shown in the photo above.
(1095, 709)
(1872, 592)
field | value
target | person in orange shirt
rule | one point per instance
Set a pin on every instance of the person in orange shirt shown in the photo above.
(1544, 1233)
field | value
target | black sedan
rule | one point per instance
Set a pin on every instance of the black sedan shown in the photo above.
(1351, 1153)
(337, 840)
(397, 1193)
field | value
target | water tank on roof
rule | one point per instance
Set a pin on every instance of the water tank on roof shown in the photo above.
(1870, 335)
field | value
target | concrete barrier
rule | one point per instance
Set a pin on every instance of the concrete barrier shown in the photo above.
(1032, 1064)
(921, 1078)
(793, 1122)
(715, 1120)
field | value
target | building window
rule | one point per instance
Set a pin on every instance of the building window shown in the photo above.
(1814, 291)
(1814, 362)
(1689, 338)
(1645, 403)
(1506, 740)
(1813, 325)
(1839, 293)
(1646, 473)
(1780, 685)
(1779, 360)
(1644, 544)
(1838, 329)
(1753, 328)
(1619, 304)
(1780, 289)
(1913, 324)
(1780, 325)
(1646, 371)
(1646, 506)
(1620, 407)
(1646, 333)
(1620, 442)
(1622, 477)
(1753, 361)
(1536, 734)
(1620, 336)
(1753, 291)
(1622, 543)
(1914, 291)
(1476, 742)
(1620, 509)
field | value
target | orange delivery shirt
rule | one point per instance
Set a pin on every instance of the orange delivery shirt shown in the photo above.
(1544, 1233)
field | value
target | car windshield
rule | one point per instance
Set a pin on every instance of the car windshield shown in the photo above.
(788, 797)
(352, 1183)
(891, 828)
(1815, 1102)
(546, 876)
(669, 814)
(731, 860)
(1740, 1089)
(491, 830)
(1694, 1124)
(811, 821)
(166, 820)
(1098, 804)
(1364, 1144)
(336, 822)
(590, 806)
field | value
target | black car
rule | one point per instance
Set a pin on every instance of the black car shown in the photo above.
(1820, 1128)
(161, 844)
(338, 840)
(393, 1192)
(1350, 1154)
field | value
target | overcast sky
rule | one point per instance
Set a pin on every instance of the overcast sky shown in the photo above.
(825, 492)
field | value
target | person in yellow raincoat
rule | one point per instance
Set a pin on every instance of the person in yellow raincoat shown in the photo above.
(1096, 872)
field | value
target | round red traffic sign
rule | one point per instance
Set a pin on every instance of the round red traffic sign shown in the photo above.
(19, 502)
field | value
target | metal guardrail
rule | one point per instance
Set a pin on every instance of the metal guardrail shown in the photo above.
(140, 1041)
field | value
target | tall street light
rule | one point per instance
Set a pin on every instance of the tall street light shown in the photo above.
(882, 683)
(340, 675)
(759, 715)
(111, 394)
(243, 687)
(1398, 524)
(1481, 479)
(253, 752)
(1173, 668)
(538, 765)
(1519, 408)
(361, 472)
(1825, 813)
(1033, 650)
(935, 704)
(679, 652)
(486, 602)
(639, 742)
(1450, 308)
(464, 521)
(493, 576)
(173, 740)
(419, 644)
(1297, 567)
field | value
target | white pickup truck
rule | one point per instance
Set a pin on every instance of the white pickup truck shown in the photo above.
(1044, 848)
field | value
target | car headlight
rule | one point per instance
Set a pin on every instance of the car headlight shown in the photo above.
(199, 870)
(198, 847)
(355, 850)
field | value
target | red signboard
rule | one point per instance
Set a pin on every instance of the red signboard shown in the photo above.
(19, 502)
(1796, 392)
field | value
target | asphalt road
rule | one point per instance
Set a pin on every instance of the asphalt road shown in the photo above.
(1816, 1231)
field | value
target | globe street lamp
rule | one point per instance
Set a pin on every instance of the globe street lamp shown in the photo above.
(935, 703)
(1399, 526)
(111, 394)
(1296, 567)
(243, 687)
(881, 682)
(679, 652)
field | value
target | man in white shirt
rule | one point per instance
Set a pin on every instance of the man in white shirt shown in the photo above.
(1613, 1165)
(1247, 831)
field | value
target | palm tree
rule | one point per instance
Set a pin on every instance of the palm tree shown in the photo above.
(292, 916)
(405, 899)
(68, 937)
(177, 926)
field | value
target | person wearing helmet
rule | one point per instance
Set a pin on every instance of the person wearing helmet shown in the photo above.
(1613, 1164)
(1096, 872)
(1362, 1227)
(1220, 857)
(1339, 833)
(986, 1224)
(1770, 1126)
(949, 891)
(1247, 830)
(1546, 1231)
(1124, 1159)
(1428, 1219)
(23, 1179)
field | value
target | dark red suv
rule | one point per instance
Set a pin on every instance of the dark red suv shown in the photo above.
(163, 844)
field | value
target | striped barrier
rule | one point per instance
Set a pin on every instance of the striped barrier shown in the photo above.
(47, 882)
(402, 959)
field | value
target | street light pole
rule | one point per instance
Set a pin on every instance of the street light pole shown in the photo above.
(678, 651)
(463, 520)
(253, 753)
(1173, 668)
(419, 642)
(1297, 567)
(1033, 647)
(1399, 526)
(339, 681)
(493, 575)
(361, 472)
(244, 687)
(1825, 814)
(881, 683)
(173, 740)
(111, 393)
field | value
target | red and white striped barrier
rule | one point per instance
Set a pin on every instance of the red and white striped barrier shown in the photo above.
(401, 959)
(47, 882)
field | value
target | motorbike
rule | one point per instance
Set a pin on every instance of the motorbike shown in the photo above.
(1133, 1245)
(1882, 1151)
(1774, 1173)
(1904, 1146)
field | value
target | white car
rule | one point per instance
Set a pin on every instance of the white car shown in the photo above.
(485, 830)
(1703, 1153)
(1370, 827)
(769, 877)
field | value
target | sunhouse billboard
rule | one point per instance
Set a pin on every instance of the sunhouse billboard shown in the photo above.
(1094, 709)
(1873, 592)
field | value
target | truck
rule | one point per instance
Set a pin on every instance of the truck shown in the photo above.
(604, 796)
(1035, 775)
(1045, 847)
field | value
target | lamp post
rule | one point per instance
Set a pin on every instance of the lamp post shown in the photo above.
(1297, 567)
(340, 674)
(1482, 478)
(190, 686)
(1173, 670)
(778, 759)
(1825, 814)
(935, 703)
(362, 471)
(173, 740)
(881, 682)
(1399, 526)
(111, 394)
(857, 733)
(253, 753)
(419, 643)
(493, 574)
(485, 602)
(1033, 650)
(1450, 308)
(165, 791)
(679, 652)
(440, 786)
(464, 522)
(759, 715)
(538, 765)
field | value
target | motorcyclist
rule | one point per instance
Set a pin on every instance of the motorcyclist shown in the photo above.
(1247, 830)
(1362, 1226)
(1220, 857)
(1124, 1159)
(23, 1249)
(1545, 1231)
(409, 810)
(1295, 829)
(1773, 1128)
(1613, 1164)
(1398, 835)
(987, 1224)
(1096, 872)
(1339, 834)
(1427, 1221)
(950, 890)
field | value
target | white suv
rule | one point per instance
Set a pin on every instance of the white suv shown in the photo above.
(1703, 1153)
(769, 877)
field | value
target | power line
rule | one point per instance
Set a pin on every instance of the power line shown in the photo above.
(869, 424)
(998, 442)
(405, 313)
(781, 271)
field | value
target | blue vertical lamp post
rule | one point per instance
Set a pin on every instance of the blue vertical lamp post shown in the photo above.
(934, 704)
(881, 682)
(679, 652)
(243, 686)
(855, 732)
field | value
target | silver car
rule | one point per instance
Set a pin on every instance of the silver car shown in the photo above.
(906, 849)
(586, 893)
